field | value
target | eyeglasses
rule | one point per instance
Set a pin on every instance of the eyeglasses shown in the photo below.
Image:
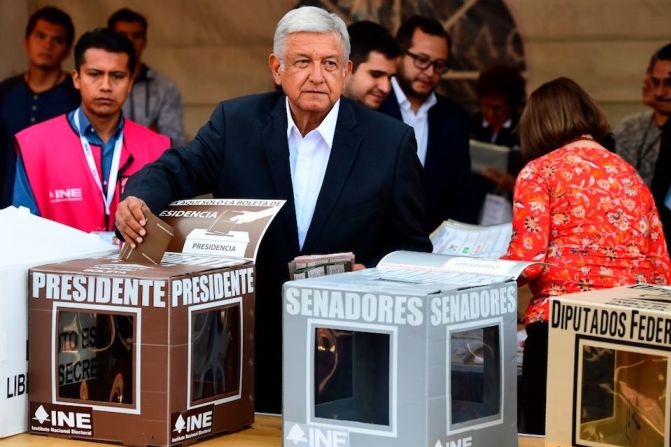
(422, 61)
(655, 83)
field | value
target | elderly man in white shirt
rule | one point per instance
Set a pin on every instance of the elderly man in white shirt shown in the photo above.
(350, 176)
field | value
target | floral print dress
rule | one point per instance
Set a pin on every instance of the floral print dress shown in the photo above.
(587, 215)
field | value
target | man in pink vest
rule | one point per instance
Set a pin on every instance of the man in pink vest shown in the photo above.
(73, 168)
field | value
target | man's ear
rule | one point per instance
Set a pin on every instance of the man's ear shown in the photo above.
(275, 65)
(75, 78)
(348, 70)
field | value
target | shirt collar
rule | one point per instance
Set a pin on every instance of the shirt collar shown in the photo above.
(404, 102)
(506, 125)
(89, 131)
(326, 128)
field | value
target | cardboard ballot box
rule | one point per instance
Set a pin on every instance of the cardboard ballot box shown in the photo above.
(147, 354)
(25, 241)
(419, 351)
(608, 368)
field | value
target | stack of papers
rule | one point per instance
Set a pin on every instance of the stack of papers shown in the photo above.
(459, 239)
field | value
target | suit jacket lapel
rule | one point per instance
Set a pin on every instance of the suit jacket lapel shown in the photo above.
(277, 152)
(343, 153)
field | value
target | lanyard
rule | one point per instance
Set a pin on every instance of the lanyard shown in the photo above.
(114, 168)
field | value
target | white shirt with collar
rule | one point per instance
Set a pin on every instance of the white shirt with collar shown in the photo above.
(506, 125)
(418, 121)
(308, 158)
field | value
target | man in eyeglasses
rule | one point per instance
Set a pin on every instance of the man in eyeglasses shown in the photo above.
(441, 128)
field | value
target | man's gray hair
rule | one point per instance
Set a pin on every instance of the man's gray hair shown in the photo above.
(309, 19)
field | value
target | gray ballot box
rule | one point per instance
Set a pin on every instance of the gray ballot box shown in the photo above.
(419, 351)
(609, 361)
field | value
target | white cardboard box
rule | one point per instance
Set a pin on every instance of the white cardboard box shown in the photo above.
(27, 241)
(609, 364)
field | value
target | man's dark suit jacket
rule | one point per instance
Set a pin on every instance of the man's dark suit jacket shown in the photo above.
(447, 166)
(370, 201)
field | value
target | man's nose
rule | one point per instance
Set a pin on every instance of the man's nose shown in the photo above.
(316, 74)
(106, 83)
(384, 84)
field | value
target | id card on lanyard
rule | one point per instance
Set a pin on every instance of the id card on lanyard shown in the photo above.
(114, 167)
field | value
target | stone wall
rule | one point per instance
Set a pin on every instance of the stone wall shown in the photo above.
(217, 49)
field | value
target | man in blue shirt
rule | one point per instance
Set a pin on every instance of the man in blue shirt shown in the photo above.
(72, 168)
(42, 92)
(23, 194)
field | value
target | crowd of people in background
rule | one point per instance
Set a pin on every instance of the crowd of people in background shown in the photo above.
(367, 153)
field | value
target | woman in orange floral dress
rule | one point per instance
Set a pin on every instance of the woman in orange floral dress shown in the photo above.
(580, 210)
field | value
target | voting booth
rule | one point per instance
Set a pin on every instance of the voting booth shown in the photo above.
(26, 241)
(608, 368)
(147, 354)
(419, 351)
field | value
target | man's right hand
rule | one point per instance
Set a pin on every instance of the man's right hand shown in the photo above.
(130, 220)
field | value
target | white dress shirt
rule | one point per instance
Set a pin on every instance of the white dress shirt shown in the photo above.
(418, 121)
(308, 158)
(507, 125)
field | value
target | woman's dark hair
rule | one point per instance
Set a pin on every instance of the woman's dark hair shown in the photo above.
(557, 113)
(104, 39)
(54, 16)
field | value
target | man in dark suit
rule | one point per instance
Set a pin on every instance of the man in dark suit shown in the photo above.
(350, 176)
(441, 128)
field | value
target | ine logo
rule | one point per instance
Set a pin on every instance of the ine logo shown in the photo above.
(300, 435)
(61, 419)
(192, 424)
(41, 415)
(462, 442)
(65, 195)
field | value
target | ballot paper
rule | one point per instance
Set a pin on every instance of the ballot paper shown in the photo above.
(476, 241)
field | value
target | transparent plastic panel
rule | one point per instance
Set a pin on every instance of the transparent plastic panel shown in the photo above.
(351, 375)
(475, 374)
(215, 353)
(623, 397)
(96, 356)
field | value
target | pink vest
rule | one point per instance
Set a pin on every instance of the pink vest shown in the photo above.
(60, 178)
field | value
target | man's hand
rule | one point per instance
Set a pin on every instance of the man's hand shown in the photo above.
(502, 180)
(130, 220)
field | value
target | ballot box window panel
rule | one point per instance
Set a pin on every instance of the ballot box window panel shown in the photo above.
(621, 394)
(215, 352)
(474, 382)
(351, 375)
(96, 357)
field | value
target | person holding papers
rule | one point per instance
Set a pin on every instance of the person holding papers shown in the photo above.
(72, 168)
(501, 98)
(580, 210)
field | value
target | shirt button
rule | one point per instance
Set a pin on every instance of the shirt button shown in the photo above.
(35, 97)
(34, 108)
(32, 119)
